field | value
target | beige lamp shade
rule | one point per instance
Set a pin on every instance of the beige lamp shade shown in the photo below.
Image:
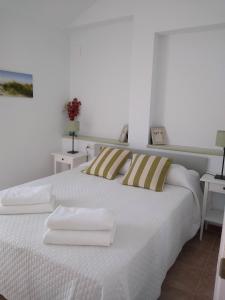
(73, 126)
(220, 138)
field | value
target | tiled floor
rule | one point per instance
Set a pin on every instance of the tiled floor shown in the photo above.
(192, 276)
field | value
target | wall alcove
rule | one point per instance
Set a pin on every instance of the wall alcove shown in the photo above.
(188, 90)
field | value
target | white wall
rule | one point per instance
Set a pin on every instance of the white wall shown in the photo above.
(100, 76)
(189, 100)
(30, 129)
(150, 17)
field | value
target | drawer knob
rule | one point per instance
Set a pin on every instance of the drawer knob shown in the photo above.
(62, 158)
(224, 188)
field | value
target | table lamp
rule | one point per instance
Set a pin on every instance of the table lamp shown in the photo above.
(220, 142)
(73, 128)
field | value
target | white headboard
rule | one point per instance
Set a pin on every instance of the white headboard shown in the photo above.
(191, 161)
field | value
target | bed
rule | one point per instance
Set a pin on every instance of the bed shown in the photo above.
(151, 230)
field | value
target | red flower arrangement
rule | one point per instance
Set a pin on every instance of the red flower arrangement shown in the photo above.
(73, 109)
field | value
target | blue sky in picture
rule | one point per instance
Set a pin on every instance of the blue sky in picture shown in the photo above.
(6, 76)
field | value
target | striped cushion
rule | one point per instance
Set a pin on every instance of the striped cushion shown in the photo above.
(108, 163)
(147, 171)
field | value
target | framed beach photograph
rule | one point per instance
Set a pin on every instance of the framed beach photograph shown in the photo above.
(158, 135)
(14, 84)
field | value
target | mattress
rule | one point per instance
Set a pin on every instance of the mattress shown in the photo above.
(151, 230)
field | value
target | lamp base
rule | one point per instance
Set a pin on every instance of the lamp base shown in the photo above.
(221, 177)
(72, 152)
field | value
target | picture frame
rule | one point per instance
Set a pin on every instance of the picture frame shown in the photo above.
(158, 135)
(15, 84)
(124, 134)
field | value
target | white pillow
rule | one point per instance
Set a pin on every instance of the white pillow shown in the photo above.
(179, 175)
(176, 175)
(87, 163)
(126, 167)
(194, 173)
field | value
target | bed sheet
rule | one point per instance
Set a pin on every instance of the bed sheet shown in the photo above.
(151, 230)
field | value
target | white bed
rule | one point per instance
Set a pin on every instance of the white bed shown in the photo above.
(151, 230)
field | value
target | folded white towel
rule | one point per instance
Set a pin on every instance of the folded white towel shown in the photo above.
(26, 195)
(27, 209)
(74, 218)
(82, 238)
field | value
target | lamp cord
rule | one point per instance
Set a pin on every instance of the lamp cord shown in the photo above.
(223, 162)
(87, 154)
(73, 141)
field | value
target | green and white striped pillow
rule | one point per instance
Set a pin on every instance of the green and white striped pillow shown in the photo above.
(108, 163)
(148, 172)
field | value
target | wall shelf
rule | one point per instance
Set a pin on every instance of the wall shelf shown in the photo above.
(97, 140)
(189, 149)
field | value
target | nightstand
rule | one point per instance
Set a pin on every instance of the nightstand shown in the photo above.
(73, 160)
(213, 216)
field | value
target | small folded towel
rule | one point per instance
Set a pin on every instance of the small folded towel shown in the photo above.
(27, 209)
(26, 195)
(80, 238)
(73, 218)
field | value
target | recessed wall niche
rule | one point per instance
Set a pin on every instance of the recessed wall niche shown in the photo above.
(100, 75)
(188, 88)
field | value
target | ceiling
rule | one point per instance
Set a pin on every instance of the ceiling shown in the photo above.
(55, 13)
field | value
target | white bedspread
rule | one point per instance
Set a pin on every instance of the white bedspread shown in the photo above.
(151, 230)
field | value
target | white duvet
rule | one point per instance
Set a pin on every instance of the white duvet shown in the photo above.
(151, 230)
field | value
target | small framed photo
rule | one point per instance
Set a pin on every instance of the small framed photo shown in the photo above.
(158, 135)
(124, 134)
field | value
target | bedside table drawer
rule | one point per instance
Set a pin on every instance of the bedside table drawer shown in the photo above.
(63, 158)
(217, 188)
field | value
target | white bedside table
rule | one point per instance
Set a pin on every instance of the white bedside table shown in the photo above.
(73, 160)
(213, 216)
